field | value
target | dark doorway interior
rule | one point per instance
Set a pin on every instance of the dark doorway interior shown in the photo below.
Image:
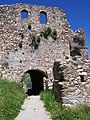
(75, 52)
(37, 82)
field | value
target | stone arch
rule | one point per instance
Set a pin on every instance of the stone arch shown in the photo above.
(37, 81)
(24, 14)
(43, 17)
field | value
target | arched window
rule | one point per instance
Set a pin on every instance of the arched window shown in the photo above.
(24, 14)
(43, 17)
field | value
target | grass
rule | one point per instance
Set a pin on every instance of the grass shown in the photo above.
(58, 112)
(11, 99)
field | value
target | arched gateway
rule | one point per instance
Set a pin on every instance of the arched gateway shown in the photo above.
(36, 81)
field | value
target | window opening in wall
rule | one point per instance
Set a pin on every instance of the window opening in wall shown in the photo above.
(43, 18)
(82, 78)
(24, 14)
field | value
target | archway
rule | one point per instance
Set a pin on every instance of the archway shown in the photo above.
(37, 81)
(43, 17)
(24, 14)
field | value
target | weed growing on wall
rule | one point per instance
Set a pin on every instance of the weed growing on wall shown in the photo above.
(49, 32)
(79, 40)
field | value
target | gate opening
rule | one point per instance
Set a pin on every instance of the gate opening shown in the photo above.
(37, 81)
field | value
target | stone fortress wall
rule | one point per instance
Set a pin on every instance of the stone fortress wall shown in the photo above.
(72, 81)
(15, 61)
(12, 27)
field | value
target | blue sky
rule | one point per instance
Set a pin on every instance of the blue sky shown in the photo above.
(77, 11)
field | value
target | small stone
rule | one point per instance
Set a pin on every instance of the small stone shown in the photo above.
(83, 73)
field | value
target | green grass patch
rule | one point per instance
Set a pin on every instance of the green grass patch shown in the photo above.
(11, 99)
(58, 112)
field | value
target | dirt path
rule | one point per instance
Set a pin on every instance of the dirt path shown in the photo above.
(33, 109)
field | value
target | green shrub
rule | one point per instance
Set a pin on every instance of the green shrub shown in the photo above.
(54, 34)
(76, 39)
(79, 40)
(49, 30)
(45, 34)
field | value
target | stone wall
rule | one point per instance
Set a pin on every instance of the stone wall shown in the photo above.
(78, 45)
(73, 76)
(14, 61)
(14, 29)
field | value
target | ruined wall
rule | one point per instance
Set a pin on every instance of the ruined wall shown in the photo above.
(78, 46)
(13, 30)
(14, 61)
(72, 81)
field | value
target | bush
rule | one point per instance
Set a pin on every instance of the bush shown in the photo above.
(79, 40)
(54, 34)
(49, 30)
(45, 34)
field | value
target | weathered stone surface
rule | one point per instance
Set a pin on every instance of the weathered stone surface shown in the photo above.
(76, 83)
(51, 57)
(14, 29)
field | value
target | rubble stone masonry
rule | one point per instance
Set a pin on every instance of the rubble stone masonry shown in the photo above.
(17, 55)
(14, 29)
